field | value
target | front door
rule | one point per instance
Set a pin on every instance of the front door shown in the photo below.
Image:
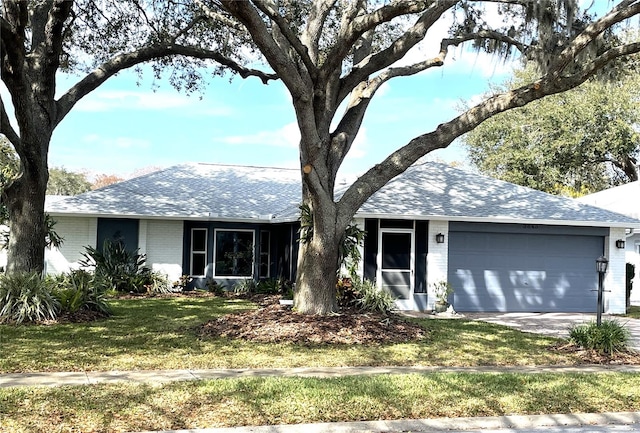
(395, 265)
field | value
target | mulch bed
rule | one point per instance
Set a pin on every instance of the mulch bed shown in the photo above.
(275, 323)
(593, 357)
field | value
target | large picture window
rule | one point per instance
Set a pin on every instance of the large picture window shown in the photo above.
(198, 251)
(234, 253)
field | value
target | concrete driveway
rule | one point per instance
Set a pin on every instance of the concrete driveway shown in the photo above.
(554, 324)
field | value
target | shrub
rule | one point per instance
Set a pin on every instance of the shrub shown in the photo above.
(609, 337)
(81, 290)
(25, 297)
(125, 270)
(214, 287)
(268, 287)
(248, 287)
(372, 299)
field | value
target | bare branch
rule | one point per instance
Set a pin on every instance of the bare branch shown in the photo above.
(290, 36)
(396, 50)
(317, 16)
(624, 10)
(445, 133)
(5, 127)
(279, 61)
(351, 33)
(124, 61)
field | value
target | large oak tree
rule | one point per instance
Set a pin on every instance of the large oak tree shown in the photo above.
(97, 39)
(332, 55)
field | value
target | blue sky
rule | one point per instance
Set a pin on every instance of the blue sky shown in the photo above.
(123, 127)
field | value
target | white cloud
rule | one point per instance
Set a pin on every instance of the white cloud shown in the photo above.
(136, 100)
(117, 142)
(287, 136)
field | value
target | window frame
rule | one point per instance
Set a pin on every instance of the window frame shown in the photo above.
(215, 252)
(193, 252)
(264, 257)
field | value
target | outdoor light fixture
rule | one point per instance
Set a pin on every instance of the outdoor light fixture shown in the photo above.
(620, 243)
(601, 266)
(440, 238)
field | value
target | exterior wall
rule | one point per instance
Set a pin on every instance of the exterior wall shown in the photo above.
(77, 232)
(632, 255)
(437, 258)
(162, 242)
(615, 301)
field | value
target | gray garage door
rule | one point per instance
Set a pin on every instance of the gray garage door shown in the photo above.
(523, 272)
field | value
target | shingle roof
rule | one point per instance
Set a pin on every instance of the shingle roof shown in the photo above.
(425, 191)
(439, 191)
(193, 191)
(623, 199)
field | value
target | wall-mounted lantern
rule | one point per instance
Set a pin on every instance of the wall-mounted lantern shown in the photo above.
(620, 244)
(601, 266)
(440, 238)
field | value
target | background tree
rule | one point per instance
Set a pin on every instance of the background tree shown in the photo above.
(64, 182)
(103, 180)
(39, 39)
(574, 143)
(335, 55)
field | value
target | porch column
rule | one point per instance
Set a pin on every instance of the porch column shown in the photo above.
(614, 282)
(437, 258)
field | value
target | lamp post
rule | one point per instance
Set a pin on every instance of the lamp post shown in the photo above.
(601, 266)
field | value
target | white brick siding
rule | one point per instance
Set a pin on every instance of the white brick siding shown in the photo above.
(614, 282)
(163, 245)
(78, 232)
(437, 258)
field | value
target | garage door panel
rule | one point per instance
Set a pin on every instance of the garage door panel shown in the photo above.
(534, 273)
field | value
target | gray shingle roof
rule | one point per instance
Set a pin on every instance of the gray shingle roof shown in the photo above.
(439, 191)
(425, 191)
(192, 191)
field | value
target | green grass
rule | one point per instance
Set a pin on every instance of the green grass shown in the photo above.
(158, 333)
(633, 312)
(258, 401)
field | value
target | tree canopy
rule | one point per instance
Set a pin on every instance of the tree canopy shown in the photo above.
(64, 182)
(574, 143)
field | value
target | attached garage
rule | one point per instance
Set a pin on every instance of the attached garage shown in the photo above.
(524, 268)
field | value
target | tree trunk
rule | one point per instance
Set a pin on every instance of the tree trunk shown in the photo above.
(316, 279)
(25, 204)
(318, 264)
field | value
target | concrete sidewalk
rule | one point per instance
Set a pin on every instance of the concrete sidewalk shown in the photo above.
(510, 423)
(10, 380)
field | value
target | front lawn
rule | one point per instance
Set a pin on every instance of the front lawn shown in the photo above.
(633, 312)
(158, 333)
(258, 401)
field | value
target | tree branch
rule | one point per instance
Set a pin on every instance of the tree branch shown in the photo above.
(313, 31)
(349, 34)
(290, 36)
(623, 11)
(396, 50)
(5, 127)
(279, 61)
(127, 60)
(445, 133)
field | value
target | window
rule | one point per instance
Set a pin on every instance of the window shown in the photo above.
(198, 251)
(234, 253)
(265, 256)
